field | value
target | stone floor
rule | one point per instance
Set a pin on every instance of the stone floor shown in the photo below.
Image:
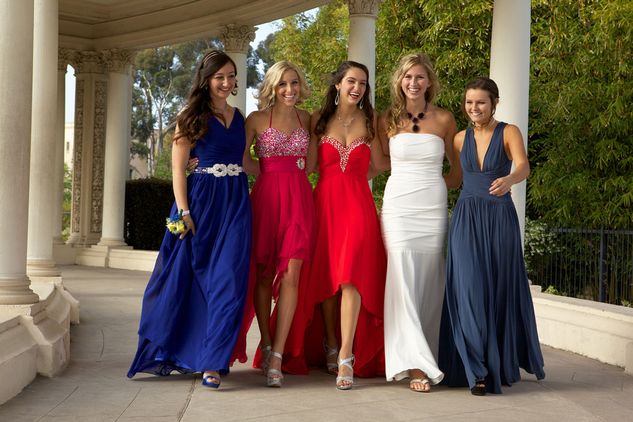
(94, 386)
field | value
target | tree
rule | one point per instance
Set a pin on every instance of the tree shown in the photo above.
(581, 141)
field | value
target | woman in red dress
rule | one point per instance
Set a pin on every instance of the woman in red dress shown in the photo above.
(347, 275)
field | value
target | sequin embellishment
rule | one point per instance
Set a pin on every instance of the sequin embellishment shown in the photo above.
(274, 143)
(343, 151)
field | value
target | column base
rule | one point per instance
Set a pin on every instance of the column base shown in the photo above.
(42, 268)
(112, 242)
(97, 255)
(16, 291)
(35, 339)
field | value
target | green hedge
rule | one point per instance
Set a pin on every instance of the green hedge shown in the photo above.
(147, 205)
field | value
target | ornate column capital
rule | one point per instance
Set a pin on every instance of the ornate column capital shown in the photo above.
(363, 7)
(88, 62)
(236, 38)
(116, 60)
(64, 57)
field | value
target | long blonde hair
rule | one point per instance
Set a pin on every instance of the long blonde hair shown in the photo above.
(398, 99)
(266, 95)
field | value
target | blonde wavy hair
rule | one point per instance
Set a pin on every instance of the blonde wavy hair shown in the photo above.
(266, 95)
(398, 99)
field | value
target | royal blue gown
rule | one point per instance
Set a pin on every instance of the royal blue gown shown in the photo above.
(488, 325)
(193, 303)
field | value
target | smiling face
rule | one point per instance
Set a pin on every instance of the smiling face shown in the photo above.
(222, 82)
(353, 86)
(478, 106)
(288, 89)
(415, 82)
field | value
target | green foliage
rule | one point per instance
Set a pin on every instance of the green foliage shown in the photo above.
(147, 205)
(139, 148)
(581, 143)
(540, 241)
(316, 44)
(553, 291)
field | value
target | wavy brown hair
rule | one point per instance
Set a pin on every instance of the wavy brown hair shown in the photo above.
(192, 119)
(329, 108)
(398, 99)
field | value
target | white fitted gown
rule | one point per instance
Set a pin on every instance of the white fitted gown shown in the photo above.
(414, 222)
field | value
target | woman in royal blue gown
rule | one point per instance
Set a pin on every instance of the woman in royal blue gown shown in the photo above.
(488, 325)
(193, 304)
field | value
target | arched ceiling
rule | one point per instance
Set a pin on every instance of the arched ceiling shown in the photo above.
(104, 24)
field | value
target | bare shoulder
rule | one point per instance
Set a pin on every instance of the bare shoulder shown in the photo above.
(304, 116)
(444, 116)
(314, 118)
(512, 133)
(458, 141)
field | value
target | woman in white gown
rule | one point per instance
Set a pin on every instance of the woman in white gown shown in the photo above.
(417, 135)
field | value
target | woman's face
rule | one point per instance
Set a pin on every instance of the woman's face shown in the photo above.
(222, 82)
(478, 106)
(415, 82)
(288, 89)
(353, 86)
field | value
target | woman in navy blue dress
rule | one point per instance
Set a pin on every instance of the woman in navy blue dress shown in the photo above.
(488, 327)
(193, 304)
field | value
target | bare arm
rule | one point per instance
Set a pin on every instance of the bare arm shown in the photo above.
(250, 165)
(313, 159)
(179, 156)
(513, 144)
(454, 177)
(380, 161)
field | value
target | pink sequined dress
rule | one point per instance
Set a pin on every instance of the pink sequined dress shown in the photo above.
(283, 210)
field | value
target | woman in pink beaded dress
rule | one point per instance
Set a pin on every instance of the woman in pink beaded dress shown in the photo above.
(283, 210)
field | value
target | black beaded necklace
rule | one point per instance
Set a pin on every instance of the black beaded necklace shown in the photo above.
(416, 119)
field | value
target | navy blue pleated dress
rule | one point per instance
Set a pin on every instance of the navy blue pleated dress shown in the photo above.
(193, 304)
(488, 325)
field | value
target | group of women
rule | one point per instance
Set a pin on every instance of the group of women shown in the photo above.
(350, 295)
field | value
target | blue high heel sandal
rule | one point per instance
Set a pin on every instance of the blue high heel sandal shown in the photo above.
(211, 381)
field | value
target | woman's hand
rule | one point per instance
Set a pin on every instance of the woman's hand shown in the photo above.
(192, 164)
(500, 186)
(189, 225)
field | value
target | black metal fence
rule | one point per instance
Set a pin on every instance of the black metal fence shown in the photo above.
(582, 263)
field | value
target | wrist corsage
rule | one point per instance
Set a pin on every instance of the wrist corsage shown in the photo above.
(175, 224)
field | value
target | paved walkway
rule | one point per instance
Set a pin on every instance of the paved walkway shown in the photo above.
(94, 386)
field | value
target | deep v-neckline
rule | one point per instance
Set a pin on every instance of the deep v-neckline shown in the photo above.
(341, 144)
(483, 160)
(227, 127)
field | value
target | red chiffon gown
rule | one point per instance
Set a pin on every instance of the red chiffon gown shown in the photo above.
(283, 219)
(348, 249)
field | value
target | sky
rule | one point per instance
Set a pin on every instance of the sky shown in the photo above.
(251, 105)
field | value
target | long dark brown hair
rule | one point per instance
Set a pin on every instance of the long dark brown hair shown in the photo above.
(329, 108)
(192, 120)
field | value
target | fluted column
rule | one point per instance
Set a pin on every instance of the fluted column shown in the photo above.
(117, 149)
(236, 39)
(43, 139)
(58, 185)
(16, 68)
(362, 35)
(89, 147)
(510, 69)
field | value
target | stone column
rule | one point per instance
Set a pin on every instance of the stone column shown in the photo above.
(16, 68)
(43, 139)
(89, 148)
(58, 195)
(510, 69)
(117, 149)
(362, 36)
(236, 39)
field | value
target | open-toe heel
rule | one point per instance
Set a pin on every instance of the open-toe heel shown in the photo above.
(345, 382)
(331, 353)
(274, 377)
(479, 389)
(211, 381)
